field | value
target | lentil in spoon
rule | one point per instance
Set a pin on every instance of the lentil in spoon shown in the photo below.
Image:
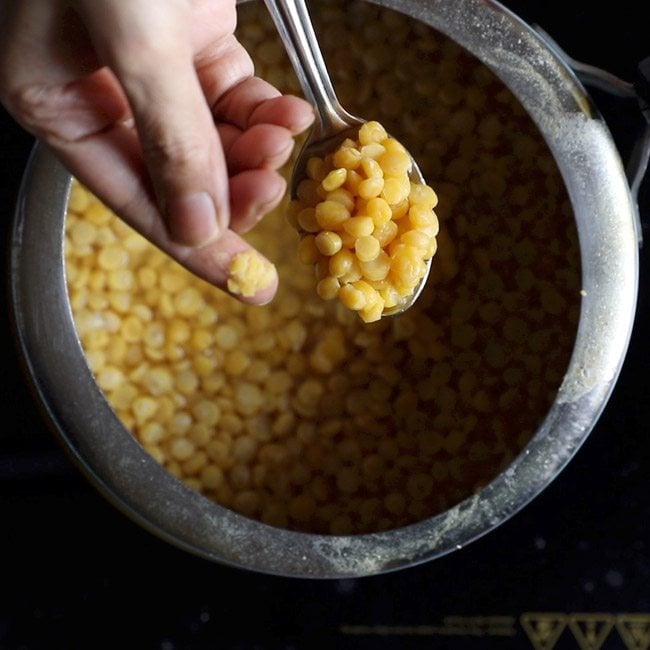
(358, 199)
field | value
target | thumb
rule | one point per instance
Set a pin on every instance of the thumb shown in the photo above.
(148, 47)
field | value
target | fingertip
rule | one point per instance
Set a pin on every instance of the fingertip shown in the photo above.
(261, 146)
(254, 193)
(266, 295)
(293, 113)
(305, 117)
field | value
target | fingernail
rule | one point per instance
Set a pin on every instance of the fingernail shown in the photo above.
(192, 220)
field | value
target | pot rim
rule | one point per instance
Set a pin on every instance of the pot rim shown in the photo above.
(120, 468)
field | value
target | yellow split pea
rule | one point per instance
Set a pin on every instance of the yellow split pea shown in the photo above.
(365, 226)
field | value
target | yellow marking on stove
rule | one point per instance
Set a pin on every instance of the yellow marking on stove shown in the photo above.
(591, 630)
(634, 629)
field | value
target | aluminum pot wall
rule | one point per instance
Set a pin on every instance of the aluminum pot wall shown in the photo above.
(120, 468)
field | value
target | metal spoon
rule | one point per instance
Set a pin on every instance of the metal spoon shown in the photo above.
(333, 123)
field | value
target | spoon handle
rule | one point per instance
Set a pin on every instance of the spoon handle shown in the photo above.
(294, 25)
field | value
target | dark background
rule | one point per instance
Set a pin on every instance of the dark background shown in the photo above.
(76, 573)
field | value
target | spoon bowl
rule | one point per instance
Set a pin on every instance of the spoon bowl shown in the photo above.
(333, 124)
(318, 145)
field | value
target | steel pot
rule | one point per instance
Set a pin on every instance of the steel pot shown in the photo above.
(606, 217)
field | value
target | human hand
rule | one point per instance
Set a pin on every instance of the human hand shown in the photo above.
(155, 108)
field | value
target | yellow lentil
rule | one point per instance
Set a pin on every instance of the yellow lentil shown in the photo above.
(374, 171)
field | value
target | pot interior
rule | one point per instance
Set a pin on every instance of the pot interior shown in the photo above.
(294, 439)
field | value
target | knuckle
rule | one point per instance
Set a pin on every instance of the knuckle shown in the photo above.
(30, 103)
(148, 41)
(38, 109)
(140, 55)
(56, 114)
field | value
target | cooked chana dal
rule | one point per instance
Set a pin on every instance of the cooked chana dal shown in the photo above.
(248, 273)
(366, 227)
(299, 414)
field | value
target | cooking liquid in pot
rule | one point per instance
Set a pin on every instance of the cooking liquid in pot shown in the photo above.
(297, 413)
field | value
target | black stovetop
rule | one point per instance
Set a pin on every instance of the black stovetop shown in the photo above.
(572, 570)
